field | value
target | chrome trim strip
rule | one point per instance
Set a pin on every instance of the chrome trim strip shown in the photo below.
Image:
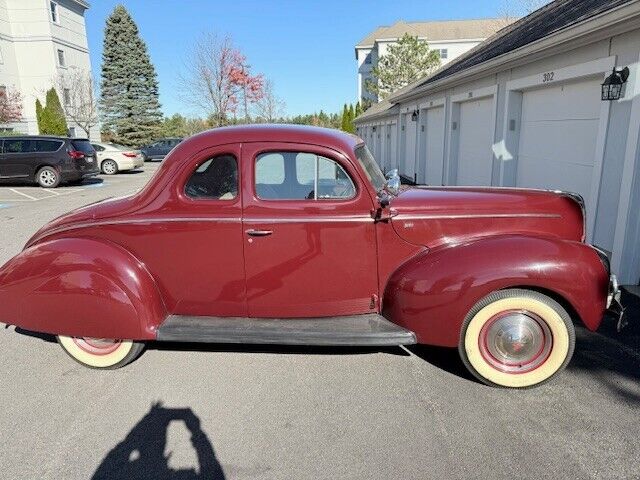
(137, 221)
(344, 219)
(146, 221)
(476, 215)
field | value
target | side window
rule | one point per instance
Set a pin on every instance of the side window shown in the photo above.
(97, 148)
(215, 179)
(19, 146)
(301, 176)
(47, 145)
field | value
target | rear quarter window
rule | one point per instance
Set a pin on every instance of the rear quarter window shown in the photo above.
(83, 146)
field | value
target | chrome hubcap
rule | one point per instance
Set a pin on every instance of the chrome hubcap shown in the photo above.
(516, 341)
(109, 167)
(47, 178)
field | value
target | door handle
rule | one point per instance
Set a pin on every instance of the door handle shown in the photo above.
(259, 233)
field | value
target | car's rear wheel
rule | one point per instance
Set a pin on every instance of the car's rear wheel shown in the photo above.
(100, 352)
(109, 167)
(516, 338)
(48, 177)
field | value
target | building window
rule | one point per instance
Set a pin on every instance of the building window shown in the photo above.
(66, 95)
(53, 6)
(61, 60)
(444, 53)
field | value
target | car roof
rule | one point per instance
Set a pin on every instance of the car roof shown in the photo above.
(328, 137)
(36, 137)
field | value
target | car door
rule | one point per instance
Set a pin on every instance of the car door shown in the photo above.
(19, 158)
(199, 249)
(309, 239)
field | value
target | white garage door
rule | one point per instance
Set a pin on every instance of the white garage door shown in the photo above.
(435, 145)
(475, 142)
(558, 137)
(408, 168)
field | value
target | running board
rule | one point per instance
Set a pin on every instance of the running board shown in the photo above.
(370, 329)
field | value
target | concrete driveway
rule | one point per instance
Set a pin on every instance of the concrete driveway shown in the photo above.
(188, 411)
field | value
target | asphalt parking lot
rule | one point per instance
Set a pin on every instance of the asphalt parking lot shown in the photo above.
(194, 412)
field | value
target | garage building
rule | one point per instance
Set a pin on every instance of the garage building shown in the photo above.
(524, 109)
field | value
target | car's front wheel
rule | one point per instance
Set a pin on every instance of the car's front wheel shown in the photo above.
(100, 352)
(109, 167)
(516, 338)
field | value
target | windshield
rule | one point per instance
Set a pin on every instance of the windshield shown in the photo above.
(371, 168)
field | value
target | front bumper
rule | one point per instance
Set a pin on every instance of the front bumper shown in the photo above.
(614, 306)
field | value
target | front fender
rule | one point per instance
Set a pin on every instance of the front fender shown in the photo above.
(80, 287)
(432, 293)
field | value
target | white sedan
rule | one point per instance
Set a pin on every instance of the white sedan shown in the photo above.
(114, 158)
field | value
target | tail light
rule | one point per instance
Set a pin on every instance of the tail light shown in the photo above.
(75, 154)
(130, 154)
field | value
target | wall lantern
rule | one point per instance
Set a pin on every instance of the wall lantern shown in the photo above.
(612, 86)
(414, 115)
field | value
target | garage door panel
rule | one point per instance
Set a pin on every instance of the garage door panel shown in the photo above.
(553, 139)
(435, 145)
(563, 101)
(474, 142)
(558, 137)
(409, 160)
(534, 172)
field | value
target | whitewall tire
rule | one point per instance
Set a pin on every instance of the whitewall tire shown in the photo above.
(516, 339)
(101, 353)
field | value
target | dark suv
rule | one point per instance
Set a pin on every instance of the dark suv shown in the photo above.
(46, 160)
(158, 150)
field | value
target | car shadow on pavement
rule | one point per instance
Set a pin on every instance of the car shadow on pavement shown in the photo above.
(610, 356)
(141, 455)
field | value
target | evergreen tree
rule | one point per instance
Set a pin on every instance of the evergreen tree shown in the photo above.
(51, 119)
(344, 123)
(129, 86)
(404, 63)
(358, 110)
(351, 116)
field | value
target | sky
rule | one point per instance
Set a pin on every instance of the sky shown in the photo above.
(306, 48)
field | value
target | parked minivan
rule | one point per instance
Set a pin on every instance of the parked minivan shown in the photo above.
(46, 160)
(158, 150)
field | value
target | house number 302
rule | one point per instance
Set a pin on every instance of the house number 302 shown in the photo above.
(547, 77)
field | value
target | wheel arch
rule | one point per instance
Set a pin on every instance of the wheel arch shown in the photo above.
(80, 286)
(432, 293)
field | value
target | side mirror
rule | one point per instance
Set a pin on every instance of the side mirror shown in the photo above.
(392, 185)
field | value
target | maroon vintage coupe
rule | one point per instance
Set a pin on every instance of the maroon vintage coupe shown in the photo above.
(292, 235)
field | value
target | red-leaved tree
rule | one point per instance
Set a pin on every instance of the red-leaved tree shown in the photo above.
(251, 87)
(10, 106)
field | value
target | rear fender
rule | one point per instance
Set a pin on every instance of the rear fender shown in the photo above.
(432, 293)
(80, 287)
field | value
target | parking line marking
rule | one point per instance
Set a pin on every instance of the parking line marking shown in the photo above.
(53, 192)
(23, 194)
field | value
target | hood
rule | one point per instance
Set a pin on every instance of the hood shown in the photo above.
(433, 216)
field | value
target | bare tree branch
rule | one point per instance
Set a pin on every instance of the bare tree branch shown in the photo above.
(77, 91)
(208, 83)
(269, 108)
